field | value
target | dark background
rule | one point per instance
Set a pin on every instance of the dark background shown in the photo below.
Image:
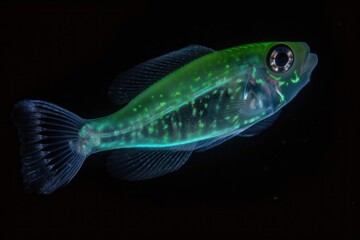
(295, 180)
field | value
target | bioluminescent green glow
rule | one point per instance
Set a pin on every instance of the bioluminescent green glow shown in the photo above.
(191, 106)
(191, 99)
(296, 78)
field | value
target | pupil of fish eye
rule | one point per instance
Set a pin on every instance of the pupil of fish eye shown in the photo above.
(281, 59)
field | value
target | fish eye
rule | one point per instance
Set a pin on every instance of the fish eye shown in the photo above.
(280, 58)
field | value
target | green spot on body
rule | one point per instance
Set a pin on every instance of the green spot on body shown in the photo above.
(273, 76)
(146, 109)
(217, 107)
(238, 89)
(180, 124)
(194, 112)
(215, 91)
(192, 88)
(222, 93)
(229, 90)
(196, 79)
(296, 79)
(209, 74)
(253, 72)
(260, 81)
(227, 118)
(165, 126)
(150, 130)
(166, 137)
(227, 66)
(201, 125)
(251, 120)
(177, 93)
(282, 97)
(160, 105)
(152, 97)
(201, 112)
(161, 95)
(239, 80)
(213, 124)
(206, 105)
(135, 109)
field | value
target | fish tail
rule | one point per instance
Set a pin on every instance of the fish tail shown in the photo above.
(49, 145)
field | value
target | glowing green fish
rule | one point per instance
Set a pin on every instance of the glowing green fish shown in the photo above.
(191, 99)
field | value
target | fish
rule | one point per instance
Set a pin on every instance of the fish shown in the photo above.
(191, 99)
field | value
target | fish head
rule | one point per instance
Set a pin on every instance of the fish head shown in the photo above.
(277, 73)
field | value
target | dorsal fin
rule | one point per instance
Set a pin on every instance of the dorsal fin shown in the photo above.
(129, 84)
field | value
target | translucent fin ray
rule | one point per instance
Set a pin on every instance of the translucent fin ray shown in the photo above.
(260, 126)
(129, 84)
(140, 164)
(46, 133)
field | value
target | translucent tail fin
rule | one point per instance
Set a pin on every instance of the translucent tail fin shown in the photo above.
(48, 137)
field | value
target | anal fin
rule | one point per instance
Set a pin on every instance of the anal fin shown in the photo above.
(136, 164)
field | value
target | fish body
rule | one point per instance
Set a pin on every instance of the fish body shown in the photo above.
(191, 99)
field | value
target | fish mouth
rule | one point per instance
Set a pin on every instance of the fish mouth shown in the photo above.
(310, 63)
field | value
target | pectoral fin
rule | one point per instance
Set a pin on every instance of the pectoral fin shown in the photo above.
(260, 126)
